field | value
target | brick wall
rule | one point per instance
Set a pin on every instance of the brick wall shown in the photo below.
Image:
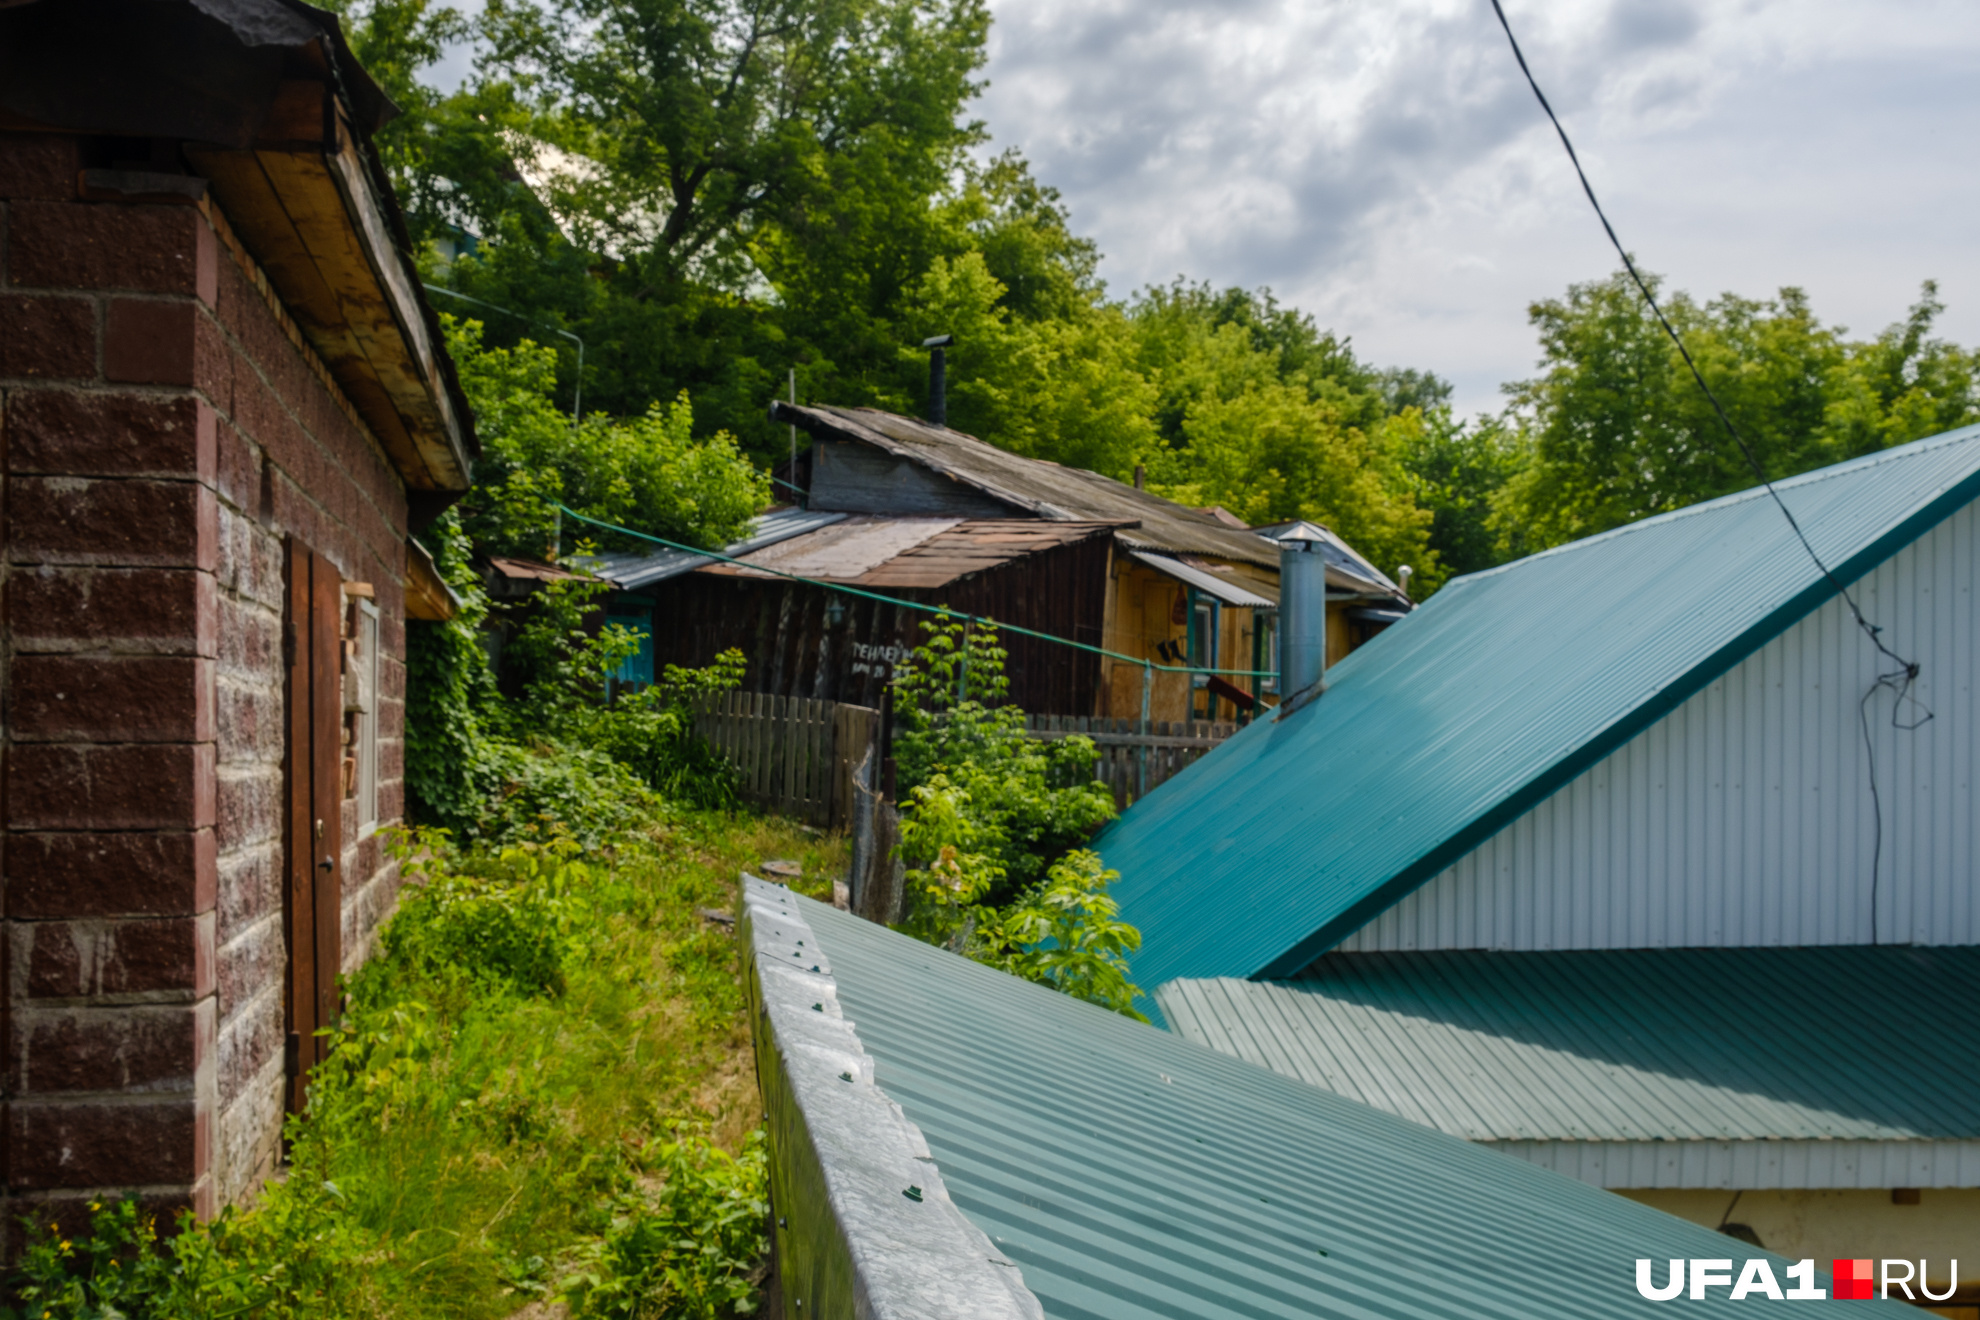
(164, 427)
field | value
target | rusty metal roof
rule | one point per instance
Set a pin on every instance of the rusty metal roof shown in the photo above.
(1037, 486)
(531, 570)
(909, 552)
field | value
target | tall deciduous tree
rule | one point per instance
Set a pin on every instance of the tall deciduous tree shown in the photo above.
(1619, 430)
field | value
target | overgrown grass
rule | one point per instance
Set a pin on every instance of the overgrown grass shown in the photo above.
(542, 1090)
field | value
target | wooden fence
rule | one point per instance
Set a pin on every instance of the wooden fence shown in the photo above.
(795, 754)
(1133, 763)
(798, 756)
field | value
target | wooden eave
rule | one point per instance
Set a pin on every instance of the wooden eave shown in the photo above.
(302, 202)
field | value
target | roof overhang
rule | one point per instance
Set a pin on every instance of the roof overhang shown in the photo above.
(1205, 581)
(1637, 1068)
(267, 102)
(632, 571)
(428, 596)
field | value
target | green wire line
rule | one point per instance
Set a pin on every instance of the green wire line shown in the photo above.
(942, 610)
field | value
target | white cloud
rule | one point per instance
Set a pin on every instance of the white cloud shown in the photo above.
(1384, 166)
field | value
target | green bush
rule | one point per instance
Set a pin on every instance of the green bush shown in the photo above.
(501, 935)
(992, 827)
(691, 1252)
(1029, 800)
(545, 787)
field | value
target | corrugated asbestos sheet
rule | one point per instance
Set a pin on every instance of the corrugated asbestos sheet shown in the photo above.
(1502, 688)
(1744, 817)
(631, 570)
(1620, 1045)
(1204, 580)
(909, 552)
(1037, 486)
(1130, 1173)
(799, 645)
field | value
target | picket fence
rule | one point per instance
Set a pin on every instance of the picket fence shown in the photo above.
(1132, 762)
(796, 754)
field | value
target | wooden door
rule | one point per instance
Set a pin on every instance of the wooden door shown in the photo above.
(313, 847)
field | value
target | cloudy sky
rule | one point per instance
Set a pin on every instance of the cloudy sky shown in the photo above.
(1383, 166)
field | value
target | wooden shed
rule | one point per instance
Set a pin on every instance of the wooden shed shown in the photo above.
(1020, 540)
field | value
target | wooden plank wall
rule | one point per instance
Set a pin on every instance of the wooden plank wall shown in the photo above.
(784, 629)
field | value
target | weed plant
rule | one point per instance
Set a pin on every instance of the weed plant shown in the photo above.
(540, 1091)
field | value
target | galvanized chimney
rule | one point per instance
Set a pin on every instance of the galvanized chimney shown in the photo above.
(1302, 618)
(938, 378)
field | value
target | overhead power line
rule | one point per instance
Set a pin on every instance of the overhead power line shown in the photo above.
(1900, 680)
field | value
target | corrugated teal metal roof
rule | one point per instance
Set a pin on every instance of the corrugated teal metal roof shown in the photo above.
(1622, 1045)
(1131, 1173)
(1467, 713)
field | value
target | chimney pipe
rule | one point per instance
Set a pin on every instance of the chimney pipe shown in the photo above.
(1302, 619)
(938, 378)
(1140, 477)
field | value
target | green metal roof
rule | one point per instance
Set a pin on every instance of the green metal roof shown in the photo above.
(1467, 713)
(1131, 1173)
(1622, 1045)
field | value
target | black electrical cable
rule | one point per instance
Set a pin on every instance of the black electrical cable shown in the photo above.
(1899, 680)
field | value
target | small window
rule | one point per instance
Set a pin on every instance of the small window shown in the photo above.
(1265, 648)
(1203, 620)
(636, 670)
(361, 709)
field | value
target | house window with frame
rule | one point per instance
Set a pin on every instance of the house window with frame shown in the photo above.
(361, 712)
(1265, 648)
(1205, 615)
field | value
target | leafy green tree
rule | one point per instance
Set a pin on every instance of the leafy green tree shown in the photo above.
(744, 186)
(648, 473)
(1260, 411)
(1455, 472)
(1619, 431)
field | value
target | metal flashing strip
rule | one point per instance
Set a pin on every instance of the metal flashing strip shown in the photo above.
(1208, 583)
(865, 1226)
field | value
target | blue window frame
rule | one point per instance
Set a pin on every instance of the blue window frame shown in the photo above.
(636, 670)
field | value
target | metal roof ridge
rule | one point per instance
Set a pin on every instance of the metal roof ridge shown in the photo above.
(1814, 477)
(878, 1230)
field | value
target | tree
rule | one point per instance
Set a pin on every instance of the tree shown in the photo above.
(1455, 472)
(648, 473)
(1619, 431)
(722, 189)
(1262, 412)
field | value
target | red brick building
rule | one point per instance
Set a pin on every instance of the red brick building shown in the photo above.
(225, 408)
